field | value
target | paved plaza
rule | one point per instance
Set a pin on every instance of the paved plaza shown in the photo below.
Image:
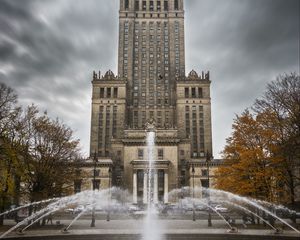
(181, 228)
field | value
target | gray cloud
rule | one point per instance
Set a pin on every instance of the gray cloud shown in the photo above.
(245, 44)
(48, 50)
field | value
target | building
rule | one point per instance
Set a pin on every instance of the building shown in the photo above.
(152, 86)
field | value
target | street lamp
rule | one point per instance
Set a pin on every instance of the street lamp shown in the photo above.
(109, 185)
(193, 172)
(208, 159)
(94, 188)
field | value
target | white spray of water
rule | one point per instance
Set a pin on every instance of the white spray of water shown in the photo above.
(82, 198)
(28, 205)
(151, 228)
(151, 156)
(232, 196)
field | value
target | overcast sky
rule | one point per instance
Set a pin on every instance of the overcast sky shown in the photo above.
(49, 48)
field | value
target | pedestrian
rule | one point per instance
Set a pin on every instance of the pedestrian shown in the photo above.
(49, 219)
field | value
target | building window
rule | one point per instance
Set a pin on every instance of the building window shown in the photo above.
(108, 92)
(96, 184)
(136, 6)
(176, 5)
(126, 4)
(166, 7)
(186, 92)
(144, 5)
(204, 172)
(151, 6)
(115, 92)
(101, 92)
(158, 6)
(161, 179)
(182, 152)
(160, 153)
(200, 93)
(96, 172)
(193, 92)
(140, 153)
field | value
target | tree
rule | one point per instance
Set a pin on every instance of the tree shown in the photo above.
(262, 153)
(9, 165)
(34, 149)
(282, 98)
(49, 152)
(250, 168)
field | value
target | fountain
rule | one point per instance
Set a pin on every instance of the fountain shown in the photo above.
(151, 227)
(151, 224)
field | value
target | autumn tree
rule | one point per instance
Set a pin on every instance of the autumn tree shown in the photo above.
(262, 153)
(250, 167)
(282, 98)
(9, 164)
(34, 149)
(49, 152)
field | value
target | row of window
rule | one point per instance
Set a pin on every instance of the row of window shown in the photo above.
(194, 127)
(161, 118)
(154, 56)
(107, 92)
(104, 134)
(152, 15)
(151, 6)
(142, 154)
(193, 92)
(177, 48)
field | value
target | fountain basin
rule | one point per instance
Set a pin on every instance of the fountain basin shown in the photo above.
(169, 236)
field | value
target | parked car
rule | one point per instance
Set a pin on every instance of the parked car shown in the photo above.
(133, 208)
(78, 209)
(69, 210)
(221, 209)
(170, 209)
(201, 207)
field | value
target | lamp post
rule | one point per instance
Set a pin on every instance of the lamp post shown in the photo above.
(208, 159)
(193, 172)
(94, 188)
(109, 185)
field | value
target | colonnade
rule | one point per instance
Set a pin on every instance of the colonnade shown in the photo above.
(145, 187)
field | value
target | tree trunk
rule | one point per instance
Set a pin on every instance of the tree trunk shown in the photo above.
(291, 187)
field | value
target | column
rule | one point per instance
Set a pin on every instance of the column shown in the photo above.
(134, 187)
(155, 188)
(145, 191)
(166, 187)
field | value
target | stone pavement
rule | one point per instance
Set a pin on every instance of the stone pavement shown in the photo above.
(135, 227)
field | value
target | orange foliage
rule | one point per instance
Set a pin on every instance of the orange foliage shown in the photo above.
(251, 159)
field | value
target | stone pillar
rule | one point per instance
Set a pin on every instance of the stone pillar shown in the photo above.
(155, 188)
(134, 187)
(145, 189)
(166, 187)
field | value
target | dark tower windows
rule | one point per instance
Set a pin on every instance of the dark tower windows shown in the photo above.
(158, 6)
(144, 6)
(151, 6)
(166, 6)
(176, 5)
(136, 6)
(126, 4)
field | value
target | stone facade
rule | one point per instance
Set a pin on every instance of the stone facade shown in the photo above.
(151, 85)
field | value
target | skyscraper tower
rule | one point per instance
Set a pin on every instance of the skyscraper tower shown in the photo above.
(151, 85)
(151, 57)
